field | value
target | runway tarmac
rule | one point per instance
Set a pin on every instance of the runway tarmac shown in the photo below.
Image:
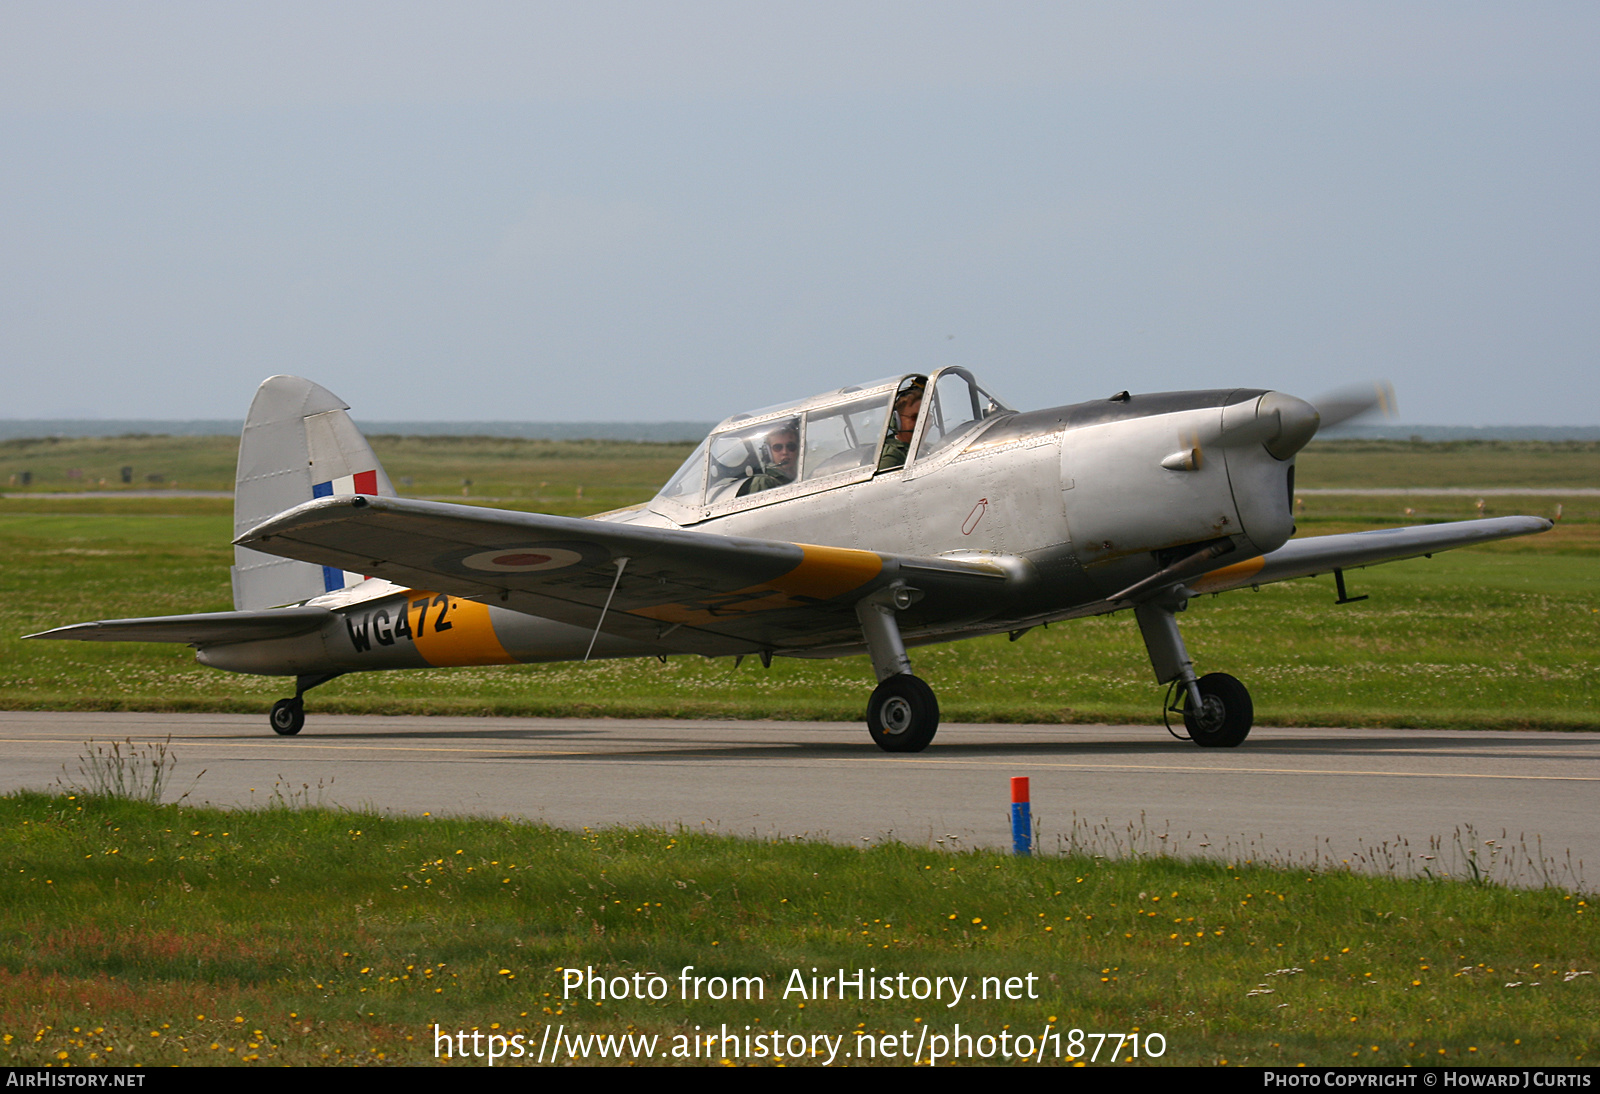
(1379, 799)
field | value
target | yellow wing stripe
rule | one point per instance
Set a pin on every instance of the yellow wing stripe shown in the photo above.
(823, 573)
(827, 572)
(1229, 576)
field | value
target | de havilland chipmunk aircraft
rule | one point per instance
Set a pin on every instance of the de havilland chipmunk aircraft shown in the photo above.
(909, 510)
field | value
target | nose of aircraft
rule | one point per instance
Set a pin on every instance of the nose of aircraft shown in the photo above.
(1296, 423)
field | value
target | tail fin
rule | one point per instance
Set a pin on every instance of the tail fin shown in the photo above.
(298, 444)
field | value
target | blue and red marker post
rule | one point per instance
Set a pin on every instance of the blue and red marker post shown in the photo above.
(1021, 817)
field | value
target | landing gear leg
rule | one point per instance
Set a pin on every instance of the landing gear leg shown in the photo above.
(288, 716)
(903, 713)
(1216, 708)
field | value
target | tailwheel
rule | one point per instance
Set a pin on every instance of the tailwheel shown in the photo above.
(903, 714)
(288, 716)
(1225, 714)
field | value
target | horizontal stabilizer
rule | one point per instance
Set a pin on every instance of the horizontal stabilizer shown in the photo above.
(1351, 550)
(204, 629)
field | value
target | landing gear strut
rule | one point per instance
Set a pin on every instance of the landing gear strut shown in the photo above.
(903, 714)
(288, 716)
(1216, 708)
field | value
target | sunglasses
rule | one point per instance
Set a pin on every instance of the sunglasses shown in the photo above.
(783, 446)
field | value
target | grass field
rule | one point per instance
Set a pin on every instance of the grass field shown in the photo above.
(571, 478)
(131, 933)
(1473, 464)
(135, 934)
(548, 473)
(1502, 636)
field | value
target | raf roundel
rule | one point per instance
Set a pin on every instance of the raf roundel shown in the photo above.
(522, 560)
(553, 557)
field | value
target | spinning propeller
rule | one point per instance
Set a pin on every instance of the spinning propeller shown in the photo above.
(1338, 407)
(1282, 423)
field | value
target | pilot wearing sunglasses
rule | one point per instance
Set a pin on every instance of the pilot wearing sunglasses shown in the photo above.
(780, 458)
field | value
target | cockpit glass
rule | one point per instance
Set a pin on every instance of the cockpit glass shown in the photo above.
(832, 436)
(684, 486)
(957, 405)
(752, 459)
(845, 437)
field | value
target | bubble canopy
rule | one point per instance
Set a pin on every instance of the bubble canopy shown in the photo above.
(789, 449)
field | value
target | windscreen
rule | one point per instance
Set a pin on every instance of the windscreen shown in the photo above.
(957, 404)
(687, 482)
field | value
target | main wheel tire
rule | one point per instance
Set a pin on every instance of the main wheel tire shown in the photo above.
(1225, 715)
(288, 717)
(902, 714)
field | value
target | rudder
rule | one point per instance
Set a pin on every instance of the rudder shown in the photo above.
(298, 443)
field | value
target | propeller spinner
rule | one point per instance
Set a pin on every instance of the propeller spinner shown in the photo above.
(1284, 424)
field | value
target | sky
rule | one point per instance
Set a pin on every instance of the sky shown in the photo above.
(677, 211)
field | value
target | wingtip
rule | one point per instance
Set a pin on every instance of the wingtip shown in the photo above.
(267, 528)
(59, 632)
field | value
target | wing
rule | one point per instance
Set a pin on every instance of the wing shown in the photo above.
(686, 591)
(1320, 554)
(204, 629)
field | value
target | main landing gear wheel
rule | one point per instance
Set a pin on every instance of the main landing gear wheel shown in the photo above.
(902, 714)
(288, 717)
(1225, 714)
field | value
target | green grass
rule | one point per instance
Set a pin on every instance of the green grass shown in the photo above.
(534, 473)
(96, 463)
(1470, 464)
(138, 934)
(570, 478)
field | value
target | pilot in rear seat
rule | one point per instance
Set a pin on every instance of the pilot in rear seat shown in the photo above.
(907, 405)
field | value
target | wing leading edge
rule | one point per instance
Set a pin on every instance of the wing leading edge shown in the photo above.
(1351, 550)
(688, 591)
